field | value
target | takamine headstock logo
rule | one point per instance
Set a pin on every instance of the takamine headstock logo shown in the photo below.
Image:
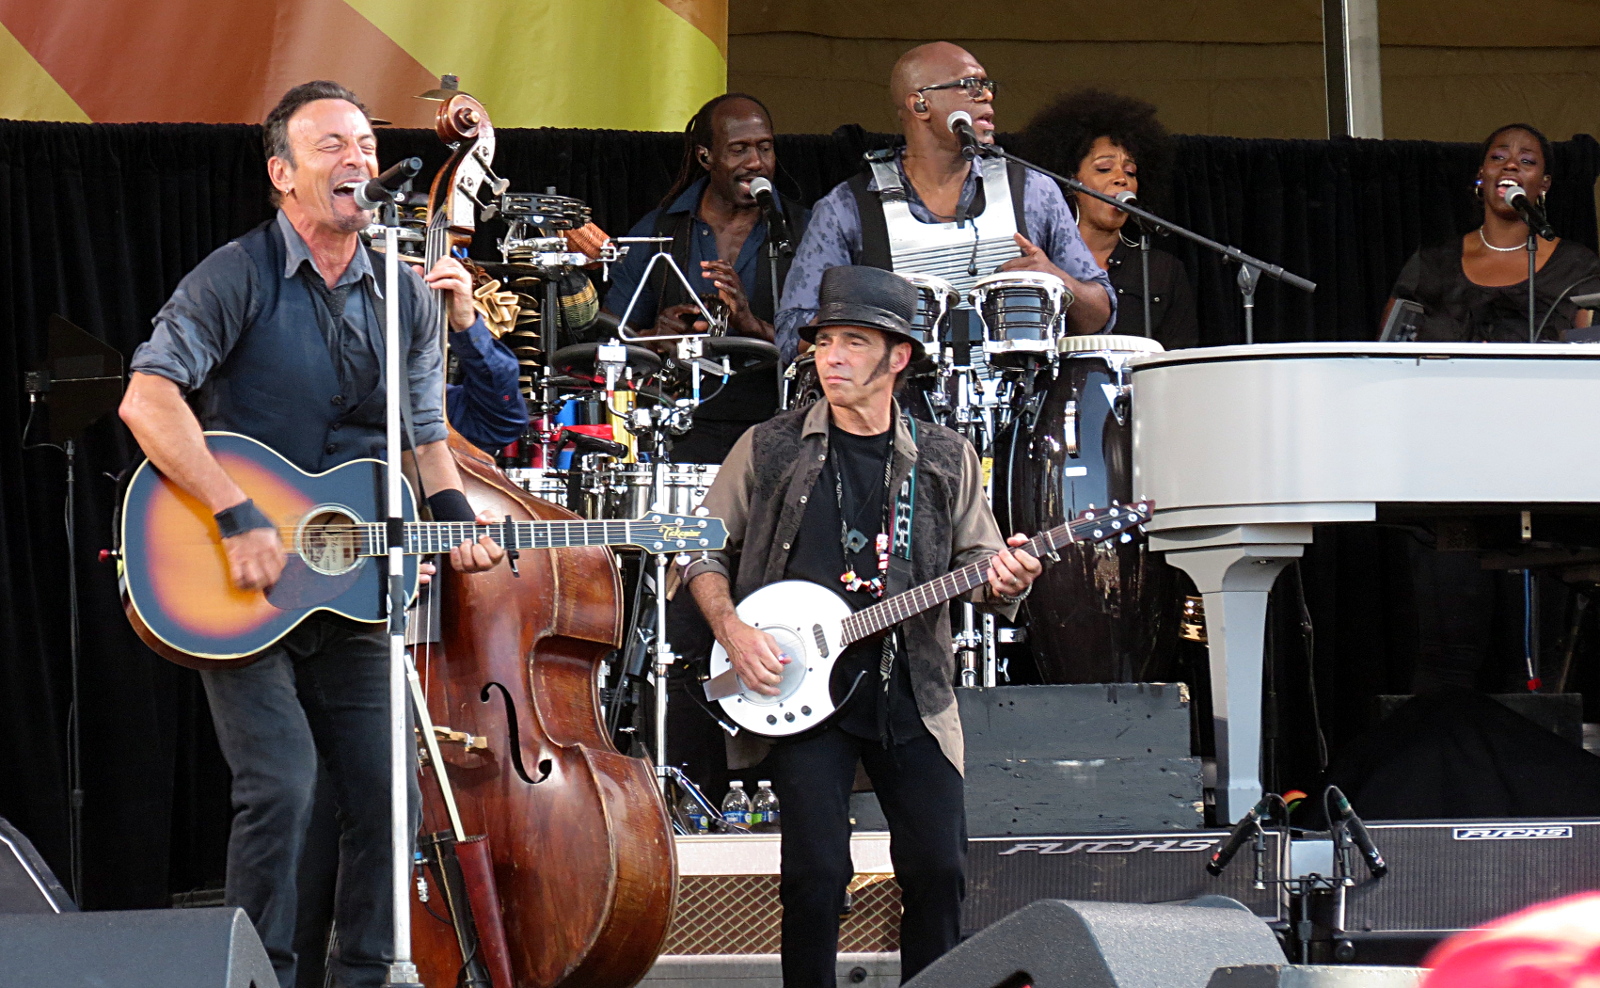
(673, 533)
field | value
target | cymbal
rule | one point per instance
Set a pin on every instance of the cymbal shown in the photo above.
(744, 354)
(579, 360)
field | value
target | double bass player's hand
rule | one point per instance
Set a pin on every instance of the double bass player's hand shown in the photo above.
(451, 277)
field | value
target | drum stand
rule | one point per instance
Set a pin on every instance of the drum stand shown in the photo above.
(655, 424)
(972, 415)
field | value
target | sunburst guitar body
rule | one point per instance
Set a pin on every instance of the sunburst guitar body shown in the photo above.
(174, 574)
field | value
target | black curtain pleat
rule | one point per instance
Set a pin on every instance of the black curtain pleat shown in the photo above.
(99, 223)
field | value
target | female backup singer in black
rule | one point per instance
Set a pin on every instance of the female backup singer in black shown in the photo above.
(1114, 144)
(1474, 288)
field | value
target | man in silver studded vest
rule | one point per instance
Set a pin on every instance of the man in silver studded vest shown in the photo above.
(925, 209)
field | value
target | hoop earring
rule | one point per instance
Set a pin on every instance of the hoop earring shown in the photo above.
(1477, 189)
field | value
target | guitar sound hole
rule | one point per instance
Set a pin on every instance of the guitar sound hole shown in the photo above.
(329, 541)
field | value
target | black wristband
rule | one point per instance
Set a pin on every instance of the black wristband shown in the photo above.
(451, 505)
(241, 518)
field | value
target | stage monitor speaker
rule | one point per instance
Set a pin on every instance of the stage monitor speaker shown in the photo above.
(1058, 944)
(27, 885)
(147, 948)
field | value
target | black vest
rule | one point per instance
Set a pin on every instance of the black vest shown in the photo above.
(278, 384)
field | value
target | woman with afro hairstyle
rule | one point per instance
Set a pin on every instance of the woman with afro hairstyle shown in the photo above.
(1113, 144)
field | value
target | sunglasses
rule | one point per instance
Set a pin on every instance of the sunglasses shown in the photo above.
(976, 88)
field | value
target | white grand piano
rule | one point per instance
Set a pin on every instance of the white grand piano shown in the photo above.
(1243, 449)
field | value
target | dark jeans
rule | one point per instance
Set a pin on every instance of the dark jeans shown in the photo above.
(921, 795)
(323, 689)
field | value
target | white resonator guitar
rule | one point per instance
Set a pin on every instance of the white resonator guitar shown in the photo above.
(813, 625)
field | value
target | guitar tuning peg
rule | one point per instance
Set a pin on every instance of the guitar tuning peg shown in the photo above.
(1126, 537)
(487, 213)
(499, 186)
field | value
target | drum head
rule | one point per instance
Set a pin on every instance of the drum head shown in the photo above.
(1112, 342)
(744, 354)
(579, 360)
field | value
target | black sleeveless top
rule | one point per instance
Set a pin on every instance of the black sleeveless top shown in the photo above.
(1462, 311)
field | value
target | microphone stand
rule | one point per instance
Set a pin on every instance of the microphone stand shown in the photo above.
(1144, 265)
(402, 971)
(1250, 268)
(1533, 267)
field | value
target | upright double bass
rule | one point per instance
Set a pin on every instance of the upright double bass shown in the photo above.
(580, 839)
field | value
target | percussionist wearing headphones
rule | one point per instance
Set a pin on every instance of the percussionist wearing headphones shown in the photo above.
(720, 232)
(925, 208)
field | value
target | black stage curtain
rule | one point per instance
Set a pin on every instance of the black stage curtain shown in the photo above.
(100, 222)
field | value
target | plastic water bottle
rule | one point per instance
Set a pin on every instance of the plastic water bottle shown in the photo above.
(693, 815)
(764, 810)
(736, 804)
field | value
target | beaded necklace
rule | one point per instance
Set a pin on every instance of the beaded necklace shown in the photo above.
(853, 540)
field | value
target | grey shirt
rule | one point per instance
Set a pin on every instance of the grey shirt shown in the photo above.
(201, 322)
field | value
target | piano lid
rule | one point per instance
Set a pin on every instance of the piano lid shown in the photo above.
(1325, 432)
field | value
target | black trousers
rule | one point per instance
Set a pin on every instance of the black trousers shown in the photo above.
(323, 690)
(921, 795)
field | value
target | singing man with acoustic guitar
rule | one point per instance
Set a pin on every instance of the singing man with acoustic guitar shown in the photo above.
(852, 494)
(279, 336)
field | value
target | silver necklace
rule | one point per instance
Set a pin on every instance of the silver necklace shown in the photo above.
(1503, 250)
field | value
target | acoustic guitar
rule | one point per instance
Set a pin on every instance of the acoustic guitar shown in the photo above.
(813, 625)
(174, 571)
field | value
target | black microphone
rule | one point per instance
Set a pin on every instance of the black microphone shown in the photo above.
(1131, 199)
(960, 124)
(1517, 198)
(777, 223)
(583, 442)
(1241, 834)
(1358, 833)
(380, 191)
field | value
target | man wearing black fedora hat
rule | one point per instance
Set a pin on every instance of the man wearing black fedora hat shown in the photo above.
(853, 494)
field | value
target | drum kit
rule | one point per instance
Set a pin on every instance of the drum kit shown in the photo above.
(1047, 411)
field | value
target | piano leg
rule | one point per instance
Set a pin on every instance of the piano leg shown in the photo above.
(1235, 581)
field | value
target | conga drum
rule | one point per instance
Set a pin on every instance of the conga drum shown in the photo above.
(1106, 613)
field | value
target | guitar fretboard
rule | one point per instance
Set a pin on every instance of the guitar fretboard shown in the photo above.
(426, 538)
(886, 614)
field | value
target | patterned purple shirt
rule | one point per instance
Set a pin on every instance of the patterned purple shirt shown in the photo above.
(833, 237)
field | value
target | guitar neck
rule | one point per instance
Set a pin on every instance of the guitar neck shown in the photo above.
(429, 537)
(886, 614)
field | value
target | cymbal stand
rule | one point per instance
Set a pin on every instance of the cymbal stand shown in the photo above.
(655, 424)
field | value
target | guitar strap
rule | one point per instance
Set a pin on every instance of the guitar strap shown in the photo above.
(898, 580)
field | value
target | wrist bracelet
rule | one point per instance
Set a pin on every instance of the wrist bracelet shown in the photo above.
(241, 518)
(451, 505)
(1008, 599)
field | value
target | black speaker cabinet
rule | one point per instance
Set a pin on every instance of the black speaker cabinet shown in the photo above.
(27, 885)
(1006, 873)
(1058, 944)
(1446, 876)
(151, 948)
